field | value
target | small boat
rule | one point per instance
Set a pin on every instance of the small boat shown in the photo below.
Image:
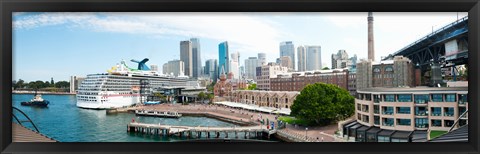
(36, 101)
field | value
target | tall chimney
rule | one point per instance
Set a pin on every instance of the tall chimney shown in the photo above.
(371, 51)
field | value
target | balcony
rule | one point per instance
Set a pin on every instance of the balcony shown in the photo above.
(448, 114)
(421, 113)
(436, 114)
(421, 125)
(388, 124)
(388, 112)
(376, 111)
(421, 102)
(462, 102)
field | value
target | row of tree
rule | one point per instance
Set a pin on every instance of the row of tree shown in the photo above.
(21, 84)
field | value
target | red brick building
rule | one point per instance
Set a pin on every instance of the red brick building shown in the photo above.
(298, 80)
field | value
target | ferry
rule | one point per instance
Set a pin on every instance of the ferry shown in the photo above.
(121, 85)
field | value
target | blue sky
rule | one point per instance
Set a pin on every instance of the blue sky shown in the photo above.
(60, 45)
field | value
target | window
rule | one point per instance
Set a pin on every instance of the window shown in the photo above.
(437, 123)
(389, 98)
(436, 111)
(383, 139)
(387, 110)
(450, 98)
(387, 122)
(403, 110)
(388, 69)
(448, 111)
(368, 97)
(420, 111)
(404, 122)
(399, 140)
(421, 122)
(405, 98)
(376, 120)
(376, 109)
(421, 99)
(448, 123)
(437, 97)
(376, 98)
(462, 98)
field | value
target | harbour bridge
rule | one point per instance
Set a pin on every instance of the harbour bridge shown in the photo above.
(445, 47)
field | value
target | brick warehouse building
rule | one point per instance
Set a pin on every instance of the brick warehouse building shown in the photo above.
(296, 81)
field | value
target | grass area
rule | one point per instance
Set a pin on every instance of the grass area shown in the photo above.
(436, 133)
(293, 120)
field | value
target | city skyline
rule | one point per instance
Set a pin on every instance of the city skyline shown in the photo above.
(97, 41)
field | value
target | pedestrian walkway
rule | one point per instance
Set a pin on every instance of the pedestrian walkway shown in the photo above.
(22, 134)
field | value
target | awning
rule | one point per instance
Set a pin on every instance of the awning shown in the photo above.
(363, 128)
(419, 136)
(386, 132)
(255, 107)
(402, 134)
(374, 130)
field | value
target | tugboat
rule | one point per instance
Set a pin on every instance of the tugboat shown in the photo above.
(36, 101)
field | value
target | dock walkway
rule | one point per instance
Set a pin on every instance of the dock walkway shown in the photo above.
(22, 134)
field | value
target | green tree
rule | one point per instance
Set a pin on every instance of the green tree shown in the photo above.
(62, 84)
(323, 104)
(210, 97)
(201, 96)
(325, 68)
(252, 86)
(210, 86)
(20, 84)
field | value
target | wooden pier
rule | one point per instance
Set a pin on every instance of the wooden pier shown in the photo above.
(199, 132)
(22, 134)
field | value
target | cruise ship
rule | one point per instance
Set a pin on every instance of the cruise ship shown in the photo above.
(120, 86)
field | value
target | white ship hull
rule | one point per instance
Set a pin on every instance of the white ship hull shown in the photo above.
(114, 102)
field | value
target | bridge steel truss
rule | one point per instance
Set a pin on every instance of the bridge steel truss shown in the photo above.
(431, 48)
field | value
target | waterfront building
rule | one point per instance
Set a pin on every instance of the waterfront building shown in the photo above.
(223, 56)
(274, 99)
(211, 69)
(234, 62)
(286, 62)
(196, 58)
(250, 67)
(390, 73)
(352, 82)
(174, 67)
(314, 58)
(154, 68)
(288, 49)
(186, 57)
(406, 112)
(75, 82)
(271, 70)
(302, 59)
(296, 81)
(225, 86)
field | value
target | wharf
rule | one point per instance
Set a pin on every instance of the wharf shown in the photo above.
(22, 134)
(196, 132)
(158, 114)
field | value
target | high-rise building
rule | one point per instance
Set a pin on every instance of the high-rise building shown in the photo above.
(211, 69)
(154, 68)
(223, 57)
(302, 59)
(196, 60)
(75, 82)
(250, 67)
(242, 72)
(371, 49)
(314, 58)
(174, 67)
(234, 62)
(287, 49)
(285, 61)
(262, 59)
(186, 57)
(340, 60)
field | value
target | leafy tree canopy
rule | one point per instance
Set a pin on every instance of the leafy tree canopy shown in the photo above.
(322, 104)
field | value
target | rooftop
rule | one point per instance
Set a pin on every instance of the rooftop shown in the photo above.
(413, 89)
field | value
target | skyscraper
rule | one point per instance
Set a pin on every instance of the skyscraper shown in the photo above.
(287, 49)
(371, 50)
(285, 61)
(340, 60)
(302, 59)
(250, 67)
(223, 56)
(186, 57)
(234, 62)
(175, 67)
(314, 58)
(197, 61)
(211, 69)
(262, 59)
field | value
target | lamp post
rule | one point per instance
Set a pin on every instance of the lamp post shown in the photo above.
(306, 129)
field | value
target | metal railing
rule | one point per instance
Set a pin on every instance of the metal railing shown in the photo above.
(458, 119)
(20, 122)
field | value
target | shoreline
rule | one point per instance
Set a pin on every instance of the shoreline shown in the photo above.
(42, 92)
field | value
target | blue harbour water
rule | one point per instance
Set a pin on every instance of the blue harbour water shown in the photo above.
(65, 122)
